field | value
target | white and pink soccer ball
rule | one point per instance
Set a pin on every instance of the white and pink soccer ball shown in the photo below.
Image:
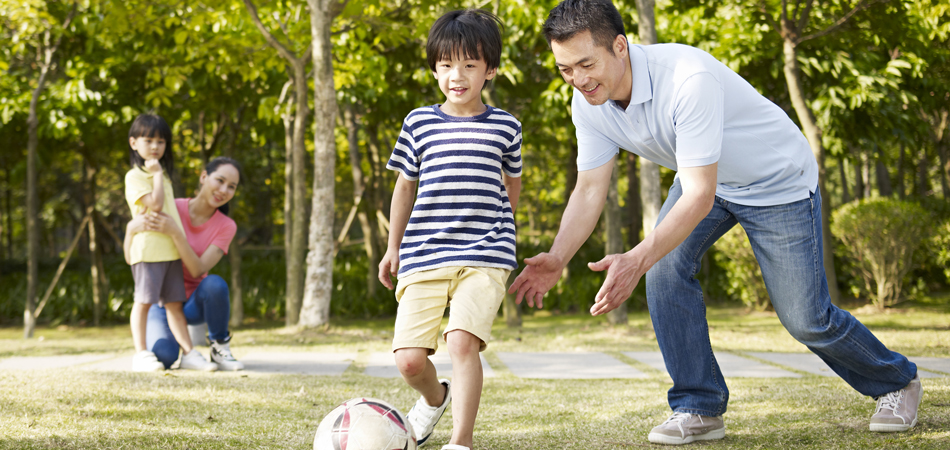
(364, 424)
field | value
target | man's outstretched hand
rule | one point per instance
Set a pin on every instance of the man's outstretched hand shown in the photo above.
(538, 277)
(623, 274)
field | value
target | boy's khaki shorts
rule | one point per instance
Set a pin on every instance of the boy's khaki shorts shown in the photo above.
(474, 294)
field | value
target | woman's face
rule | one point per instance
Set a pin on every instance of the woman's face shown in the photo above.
(218, 187)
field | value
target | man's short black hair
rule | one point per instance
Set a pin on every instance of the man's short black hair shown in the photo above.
(468, 33)
(571, 17)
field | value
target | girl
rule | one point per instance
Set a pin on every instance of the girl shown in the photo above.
(156, 265)
(204, 240)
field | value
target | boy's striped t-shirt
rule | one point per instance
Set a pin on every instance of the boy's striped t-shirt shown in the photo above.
(461, 216)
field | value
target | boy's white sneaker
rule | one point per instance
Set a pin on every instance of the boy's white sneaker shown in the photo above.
(424, 417)
(146, 361)
(221, 354)
(193, 360)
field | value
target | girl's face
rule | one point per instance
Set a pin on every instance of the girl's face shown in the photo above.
(218, 187)
(148, 147)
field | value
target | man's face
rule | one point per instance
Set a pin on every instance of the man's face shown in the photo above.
(591, 68)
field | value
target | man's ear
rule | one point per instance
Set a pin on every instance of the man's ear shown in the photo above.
(620, 45)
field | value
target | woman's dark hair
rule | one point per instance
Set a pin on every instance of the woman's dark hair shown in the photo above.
(469, 33)
(151, 125)
(213, 165)
(571, 17)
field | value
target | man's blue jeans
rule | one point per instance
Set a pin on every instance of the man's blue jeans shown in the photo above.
(210, 302)
(787, 243)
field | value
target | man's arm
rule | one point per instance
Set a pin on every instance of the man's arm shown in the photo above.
(403, 196)
(580, 217)
(625, 270)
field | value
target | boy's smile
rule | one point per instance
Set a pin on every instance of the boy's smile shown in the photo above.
(461, 81)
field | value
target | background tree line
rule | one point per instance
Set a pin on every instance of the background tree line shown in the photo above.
(310, 95)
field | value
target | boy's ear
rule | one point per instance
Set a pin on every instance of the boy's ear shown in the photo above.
(435, 74)
(491, 73)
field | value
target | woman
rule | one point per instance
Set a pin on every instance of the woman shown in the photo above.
(207, 234)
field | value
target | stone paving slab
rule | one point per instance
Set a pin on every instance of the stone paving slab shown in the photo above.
(381, 364)
(51, 362)
(579, 365)
(939, 364)
(731, 365)
(303, 363)
(811, 363)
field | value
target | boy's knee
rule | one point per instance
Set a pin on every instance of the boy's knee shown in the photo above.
(462, 343)
(410, 362)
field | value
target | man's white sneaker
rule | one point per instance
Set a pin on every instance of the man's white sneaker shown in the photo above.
(221, 354)
(897, 411)
(146, 361)
(424, 417)
(195, 361)
(683, 428)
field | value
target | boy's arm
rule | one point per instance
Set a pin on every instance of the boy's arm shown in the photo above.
(403, 195)
(156, 199)
(513, 188)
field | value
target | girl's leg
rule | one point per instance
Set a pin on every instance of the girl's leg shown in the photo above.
(159, 338)
(179, 326)
(466, 384)
(211, 303)
(138, 324)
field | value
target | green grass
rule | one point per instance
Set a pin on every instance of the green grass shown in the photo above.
(73, 409)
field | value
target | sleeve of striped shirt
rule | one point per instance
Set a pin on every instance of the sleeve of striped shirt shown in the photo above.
(511, 160)
(405, 157)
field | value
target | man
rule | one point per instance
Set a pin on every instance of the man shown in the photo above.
(739, 159)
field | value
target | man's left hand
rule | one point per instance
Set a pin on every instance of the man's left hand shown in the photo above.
(623, 275)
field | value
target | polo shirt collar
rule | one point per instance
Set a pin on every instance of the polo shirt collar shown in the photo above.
(642, 88)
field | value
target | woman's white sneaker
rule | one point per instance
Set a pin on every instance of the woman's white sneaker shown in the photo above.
(146, 361)
(221, 354)
(195, 361)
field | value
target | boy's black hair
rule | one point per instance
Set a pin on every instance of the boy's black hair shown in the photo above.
(224, 161)
(151, 125)
(571, 17)
(469, 33)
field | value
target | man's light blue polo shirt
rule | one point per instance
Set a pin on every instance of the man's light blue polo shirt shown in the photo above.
(687, 109)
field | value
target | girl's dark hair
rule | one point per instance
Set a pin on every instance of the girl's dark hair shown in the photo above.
(571, 17)
(213, 165)
(469, 33)
(151, 125)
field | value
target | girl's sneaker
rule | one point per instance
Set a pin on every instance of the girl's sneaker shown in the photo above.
(146, 361)
(221, 354)
(195, 361)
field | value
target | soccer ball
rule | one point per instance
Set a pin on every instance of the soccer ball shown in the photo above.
(364, 424)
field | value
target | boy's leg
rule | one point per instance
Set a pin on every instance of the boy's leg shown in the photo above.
(159, 338)
(466, 384)
(420, 374)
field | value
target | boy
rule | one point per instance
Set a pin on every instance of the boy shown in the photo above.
(457, 244)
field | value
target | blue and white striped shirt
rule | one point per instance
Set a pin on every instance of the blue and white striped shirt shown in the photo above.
(461, 216)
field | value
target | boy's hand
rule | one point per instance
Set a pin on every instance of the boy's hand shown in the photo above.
(389, 265)
(153, 166)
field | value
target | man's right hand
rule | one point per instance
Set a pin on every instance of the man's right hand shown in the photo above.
(538, 277)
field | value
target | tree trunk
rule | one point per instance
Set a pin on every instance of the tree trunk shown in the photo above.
(923, 182)
(95, 254)
(237, 294)
(883, 179)
(32, 206)
(651, 198)
(810, 127)
(295, 279)
(845, 194)
(859, 178)
(318, 289)
(944, 170)
(634, 211)
(901, 192)
(614, 238)
(288, 205)
(360, 193)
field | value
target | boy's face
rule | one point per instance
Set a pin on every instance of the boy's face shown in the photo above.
(461, 81)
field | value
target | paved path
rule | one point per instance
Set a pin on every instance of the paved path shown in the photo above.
(550, 365)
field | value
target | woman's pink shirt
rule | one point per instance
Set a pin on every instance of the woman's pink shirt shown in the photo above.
(219, 230)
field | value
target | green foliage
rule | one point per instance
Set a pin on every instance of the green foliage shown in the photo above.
(882, 236)
(940, 248)
(743, 276)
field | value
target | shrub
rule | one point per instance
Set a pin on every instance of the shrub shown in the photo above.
(743, 275)
(940, 248)
(882, 236)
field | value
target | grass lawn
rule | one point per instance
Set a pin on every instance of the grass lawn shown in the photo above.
(72, 409)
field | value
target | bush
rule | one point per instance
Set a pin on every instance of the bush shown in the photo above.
(882, 236)
(940, 248)
(743, 274)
